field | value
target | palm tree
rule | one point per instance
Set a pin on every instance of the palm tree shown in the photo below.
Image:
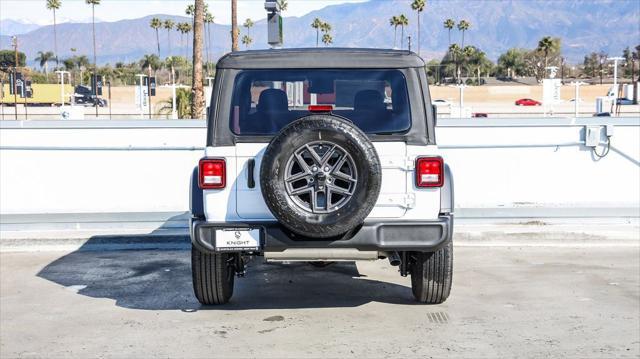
(327, 39)
(246, 41)
(69, 64)
(185, 29)
(394, 21)
(54, 5)
(198, 104)
(449, 24)
(248, 24)
(283, 5)
(316, 24)
(468, 53)
(326, 29)
(168, 24)
(418, 6)
(234, 25)
(156, 24)
(93, 4)
(82, 61)
(44, 58)
(190, 10)
(180, 29)
(208, 20)
(513, 62)
(456, 53)
(482, 63)
(546, 46)
(402, 21)
(150, 61)
(463, 26)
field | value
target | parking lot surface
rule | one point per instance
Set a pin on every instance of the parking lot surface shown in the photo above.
(505, 302)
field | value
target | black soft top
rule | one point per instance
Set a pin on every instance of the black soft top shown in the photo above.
(307, 58)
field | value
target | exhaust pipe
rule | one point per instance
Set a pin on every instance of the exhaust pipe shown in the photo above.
(394, 258)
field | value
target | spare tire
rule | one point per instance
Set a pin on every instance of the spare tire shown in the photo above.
(320, 176)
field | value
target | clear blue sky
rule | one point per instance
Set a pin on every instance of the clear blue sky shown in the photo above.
(112, 10)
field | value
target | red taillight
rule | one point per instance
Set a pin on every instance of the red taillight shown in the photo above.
(320, 108)
(212, 173)
(429, 172)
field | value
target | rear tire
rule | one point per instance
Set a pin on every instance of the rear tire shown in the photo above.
(213, 276)
(432, 274)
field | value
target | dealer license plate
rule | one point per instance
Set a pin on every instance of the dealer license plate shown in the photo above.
(237, 240)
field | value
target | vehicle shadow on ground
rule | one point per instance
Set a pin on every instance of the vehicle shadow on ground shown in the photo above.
(161, 280)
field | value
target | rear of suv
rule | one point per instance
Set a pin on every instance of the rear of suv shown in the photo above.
(321, 155)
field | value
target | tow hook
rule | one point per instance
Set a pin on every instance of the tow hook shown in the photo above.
(240, 265)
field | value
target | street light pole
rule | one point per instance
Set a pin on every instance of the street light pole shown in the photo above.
(15, 76)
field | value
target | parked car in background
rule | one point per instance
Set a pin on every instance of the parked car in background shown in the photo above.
(624, 102)
(84, 96)
(479, 114)
(527, 102)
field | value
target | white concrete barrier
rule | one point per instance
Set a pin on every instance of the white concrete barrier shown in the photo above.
(502, 167)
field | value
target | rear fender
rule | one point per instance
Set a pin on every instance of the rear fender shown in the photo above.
(447, 204)
(195, 196)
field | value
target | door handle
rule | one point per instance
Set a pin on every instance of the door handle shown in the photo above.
(251, 164)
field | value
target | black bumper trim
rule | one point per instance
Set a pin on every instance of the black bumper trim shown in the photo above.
(420, 236)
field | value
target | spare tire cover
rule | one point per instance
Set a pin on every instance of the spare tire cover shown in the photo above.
(320, 176)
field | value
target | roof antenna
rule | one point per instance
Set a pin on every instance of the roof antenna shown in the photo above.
(274, 24)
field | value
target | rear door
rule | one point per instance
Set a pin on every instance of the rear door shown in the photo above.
(375, 100)
(393, 201)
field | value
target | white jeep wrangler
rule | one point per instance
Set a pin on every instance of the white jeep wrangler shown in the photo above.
(321, 155)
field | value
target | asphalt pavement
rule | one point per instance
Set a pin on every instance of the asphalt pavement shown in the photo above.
(506, 302)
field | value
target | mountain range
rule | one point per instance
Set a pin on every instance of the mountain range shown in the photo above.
(496, 25)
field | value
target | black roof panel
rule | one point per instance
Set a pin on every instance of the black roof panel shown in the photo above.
(320, 58)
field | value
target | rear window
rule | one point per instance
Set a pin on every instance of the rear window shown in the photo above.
(264, 101)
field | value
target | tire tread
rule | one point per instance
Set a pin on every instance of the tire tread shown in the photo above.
(432, 274)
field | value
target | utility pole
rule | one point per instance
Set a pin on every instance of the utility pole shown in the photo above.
(15, 76)
(409, 42)
(149, 88)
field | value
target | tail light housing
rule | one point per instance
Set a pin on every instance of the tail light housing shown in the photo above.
(212, 173)
(429, 172)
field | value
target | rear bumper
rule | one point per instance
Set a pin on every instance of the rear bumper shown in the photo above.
(420, 236)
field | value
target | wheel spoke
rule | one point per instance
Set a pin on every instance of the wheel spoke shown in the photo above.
(344, 176)
(302, 190)
(316, 159)
(339, 190)
(327, 156)
(302, 163)
(298, 176)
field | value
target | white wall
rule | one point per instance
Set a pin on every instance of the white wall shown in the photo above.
(144, 166)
